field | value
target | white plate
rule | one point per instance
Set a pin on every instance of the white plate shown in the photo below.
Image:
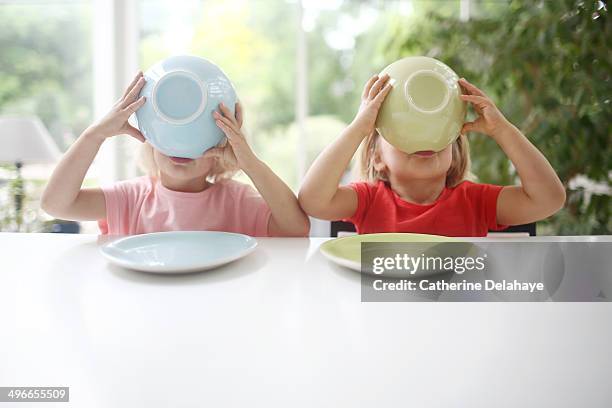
(178, 252)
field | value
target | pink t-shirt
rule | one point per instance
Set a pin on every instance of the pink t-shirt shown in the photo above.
(143, 205)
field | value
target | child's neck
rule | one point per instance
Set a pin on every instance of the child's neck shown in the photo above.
(421, 191)
(194, 185)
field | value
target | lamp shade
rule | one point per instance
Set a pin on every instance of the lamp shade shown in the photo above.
(26, 140)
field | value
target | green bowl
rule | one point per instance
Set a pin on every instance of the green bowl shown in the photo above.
(423, 111)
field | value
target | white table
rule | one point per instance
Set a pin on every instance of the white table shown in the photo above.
(280, 328)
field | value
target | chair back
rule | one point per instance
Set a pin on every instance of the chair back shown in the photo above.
(340, 227)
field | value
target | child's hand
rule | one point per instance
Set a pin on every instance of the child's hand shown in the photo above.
(374, 93)
(115, 122)
(240, 152)
(490, 120)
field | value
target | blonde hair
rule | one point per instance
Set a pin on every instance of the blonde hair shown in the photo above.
(459, 169)
(220, 171)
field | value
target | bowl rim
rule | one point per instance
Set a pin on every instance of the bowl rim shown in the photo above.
(438, 76)
(203, 90)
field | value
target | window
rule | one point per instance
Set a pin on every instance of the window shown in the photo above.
(45, 71)
(46, 64)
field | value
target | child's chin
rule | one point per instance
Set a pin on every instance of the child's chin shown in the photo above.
(185, 171)
(421, 169)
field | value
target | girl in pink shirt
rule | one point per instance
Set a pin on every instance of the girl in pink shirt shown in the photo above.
(177, 194)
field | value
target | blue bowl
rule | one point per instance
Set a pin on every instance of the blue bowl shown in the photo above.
(182, 92)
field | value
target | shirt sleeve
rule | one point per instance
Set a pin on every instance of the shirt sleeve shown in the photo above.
(115, 197)
(489, 196)
(258, 211)
(120, 199)
(364, 194)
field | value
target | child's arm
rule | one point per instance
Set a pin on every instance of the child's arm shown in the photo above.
(320, 195)
(63, 196)
(541, 193)
(287, 217)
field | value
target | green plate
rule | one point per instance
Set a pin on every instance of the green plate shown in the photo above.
(346, 251)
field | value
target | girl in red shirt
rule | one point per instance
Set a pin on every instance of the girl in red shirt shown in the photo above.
(427, 192)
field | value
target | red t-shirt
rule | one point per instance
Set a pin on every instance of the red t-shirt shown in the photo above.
(468, 209)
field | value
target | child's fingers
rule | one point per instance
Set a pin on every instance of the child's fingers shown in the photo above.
(135, 133)
(383, 94)
(222, 143)
(133, 94)
(479, 101)
(467, 128)
(475, 126)
(226, 112)
(229, 123)
(229, 132)
(378, 85)
(131, 85)
(368, 86)
(138, 75)
(134, 106)
(239, 114)
(472, 89)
